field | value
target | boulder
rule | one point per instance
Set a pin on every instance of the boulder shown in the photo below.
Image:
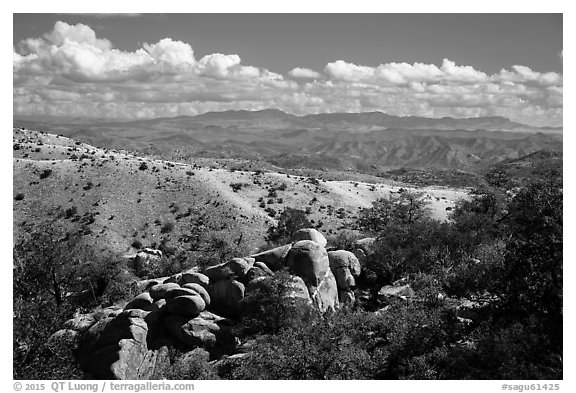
(159, 291)
(345, 267)
(344, 259)
(128, 360)
(143, 302)
(144, 285)
(181, 291)
(193, 277)
(80, 322)
(309, 234)
(186, 305)
(157, 305)
(325, 296)
(308, 260)
(296, 289)
(403, 292)
(154, 319)
(110, 311)
(240, 266)
(175, 278)
(254, 273)
(263, 267)
(235, 268)
(273, 258)
(95, 330)
(225, 296)
(200, 290)
(207, 330)
(218, 272)
(344, 279)
(195, 332)
(116, 348)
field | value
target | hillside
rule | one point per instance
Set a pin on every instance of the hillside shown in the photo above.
(124, 197)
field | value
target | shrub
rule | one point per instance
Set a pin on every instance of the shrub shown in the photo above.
(167, 227)
(237, 186)
(45, 173)
(193, 365)
(289, 222)
(343, 240)
(19, 196)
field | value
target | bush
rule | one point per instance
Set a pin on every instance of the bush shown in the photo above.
(19, 197)
(343, 240)
(237, 186)
(167, 227)
(193, 365)
(268, 309)
(290, 221)
(45, 173)
(143, 166)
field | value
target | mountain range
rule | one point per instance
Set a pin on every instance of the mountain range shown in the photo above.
(367, 142)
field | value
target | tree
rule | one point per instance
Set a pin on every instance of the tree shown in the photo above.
(289, 221)
(403, 231)
(268, 308)
(531, 283)
(47, 260)
(405, 208)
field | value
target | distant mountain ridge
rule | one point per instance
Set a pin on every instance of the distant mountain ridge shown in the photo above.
(366, 142)
(337, 119)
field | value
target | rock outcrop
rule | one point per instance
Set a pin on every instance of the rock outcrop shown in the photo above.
(308, 260)
(197, 309)
(226, 295)
(309, 234)
(346, 268)
(273, 258)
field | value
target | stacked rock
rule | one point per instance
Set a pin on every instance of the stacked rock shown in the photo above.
(190, 309)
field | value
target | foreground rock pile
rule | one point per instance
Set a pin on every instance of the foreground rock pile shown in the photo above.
(196, 309)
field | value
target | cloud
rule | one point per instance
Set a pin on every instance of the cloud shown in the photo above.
(217, 64)
(69, 71)
(349, 72)
(453, 72)
(79, 33)
(304, 73)
(171, 53)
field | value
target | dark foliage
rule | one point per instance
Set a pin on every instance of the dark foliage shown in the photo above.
(289, 221)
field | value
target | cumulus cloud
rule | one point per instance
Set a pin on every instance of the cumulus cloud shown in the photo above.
(218, 64)
(69, 71)
(304, 73)
(80, 33)
(349, 72)
(173, 53)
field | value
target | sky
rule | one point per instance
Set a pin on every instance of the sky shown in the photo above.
(133, 66)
